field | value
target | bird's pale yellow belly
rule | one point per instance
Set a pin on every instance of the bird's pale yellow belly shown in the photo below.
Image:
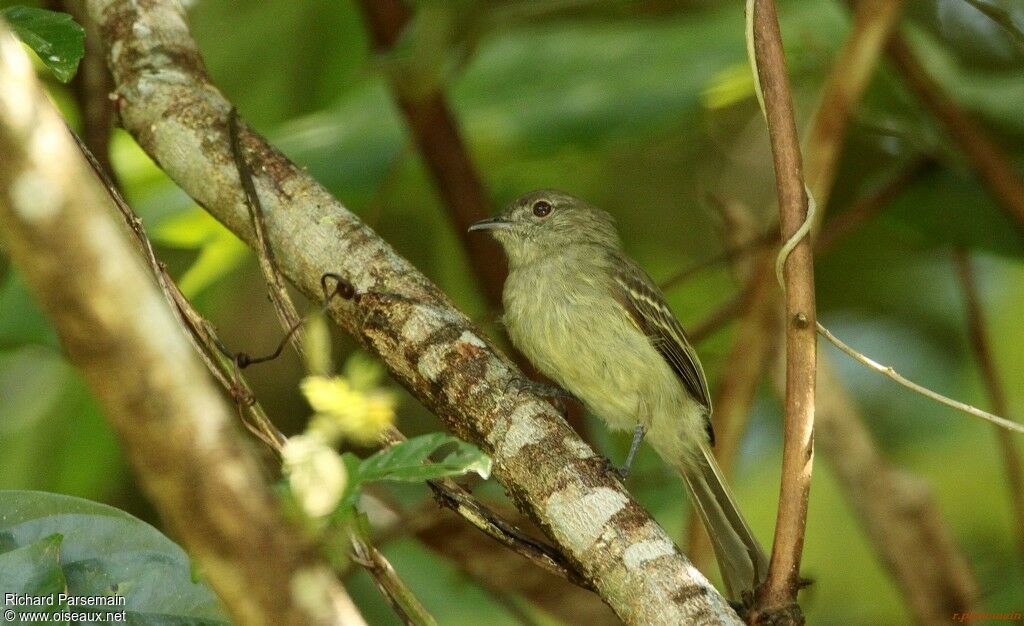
(591, 348)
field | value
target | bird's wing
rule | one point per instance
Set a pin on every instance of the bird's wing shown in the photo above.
(644, 302)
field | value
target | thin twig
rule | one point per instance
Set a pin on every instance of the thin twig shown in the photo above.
(452, 495)
(726, 256)
(402, 600)
(924, 391)
(719, 318)
(200, 332)
(776, 598)
(993, 385)
(283, 304)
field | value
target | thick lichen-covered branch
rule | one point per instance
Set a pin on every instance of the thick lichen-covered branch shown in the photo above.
(166, 101)
(56, 225)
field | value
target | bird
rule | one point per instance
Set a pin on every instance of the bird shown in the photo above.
(589, 318)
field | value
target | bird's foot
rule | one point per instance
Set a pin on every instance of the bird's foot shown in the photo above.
(553, 393)
(638, 436)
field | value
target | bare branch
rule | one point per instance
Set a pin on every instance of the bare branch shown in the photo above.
(777, 597)
(452, 495)
(868, 206)
(729, 255)
(993, 385)
(91, 86)
(720, 317)
(200, 332)
(435, 131)
(283, 304)
(889, 372)
(175, 428)
(402, 600)
(169, 105)
(500, 570)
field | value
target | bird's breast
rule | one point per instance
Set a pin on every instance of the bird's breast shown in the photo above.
(575, 333)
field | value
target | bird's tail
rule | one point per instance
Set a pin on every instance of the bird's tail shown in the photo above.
(741, 559)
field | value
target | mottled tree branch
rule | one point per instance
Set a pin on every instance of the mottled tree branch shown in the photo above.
(776, 598)
(167, 102)
(436, 134)
(56, 225)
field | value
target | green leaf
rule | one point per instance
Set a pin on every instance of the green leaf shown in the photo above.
(108, 552)
(33, 569)
(55, 37)
(407, 461)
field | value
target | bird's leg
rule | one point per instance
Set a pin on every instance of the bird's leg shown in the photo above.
(553, 393)
(638, 437)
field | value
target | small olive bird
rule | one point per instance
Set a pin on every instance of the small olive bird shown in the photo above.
(589, 318)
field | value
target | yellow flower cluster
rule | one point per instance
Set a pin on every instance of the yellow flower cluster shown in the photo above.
(344, 411)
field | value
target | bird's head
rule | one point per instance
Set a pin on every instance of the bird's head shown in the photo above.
(547, 222)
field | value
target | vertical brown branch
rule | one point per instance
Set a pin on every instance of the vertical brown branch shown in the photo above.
(446, 156)
(777, 596)
(988, 160)
(436, 134)
(993, 386)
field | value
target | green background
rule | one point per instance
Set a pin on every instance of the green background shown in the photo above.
(645, 109)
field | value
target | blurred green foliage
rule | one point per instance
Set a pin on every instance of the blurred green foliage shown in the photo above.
(646, 109)
(52, 544)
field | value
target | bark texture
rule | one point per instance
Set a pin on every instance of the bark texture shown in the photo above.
(57, 226)
(166, 101)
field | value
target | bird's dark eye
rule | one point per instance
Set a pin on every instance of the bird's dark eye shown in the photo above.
(541, 208)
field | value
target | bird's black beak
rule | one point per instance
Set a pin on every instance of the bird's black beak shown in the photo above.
(493, 223)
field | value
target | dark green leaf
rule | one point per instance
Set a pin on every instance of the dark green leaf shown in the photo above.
(944, 208)
(33, 569)
(55, 37)
(34, 572)
(106, 552)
